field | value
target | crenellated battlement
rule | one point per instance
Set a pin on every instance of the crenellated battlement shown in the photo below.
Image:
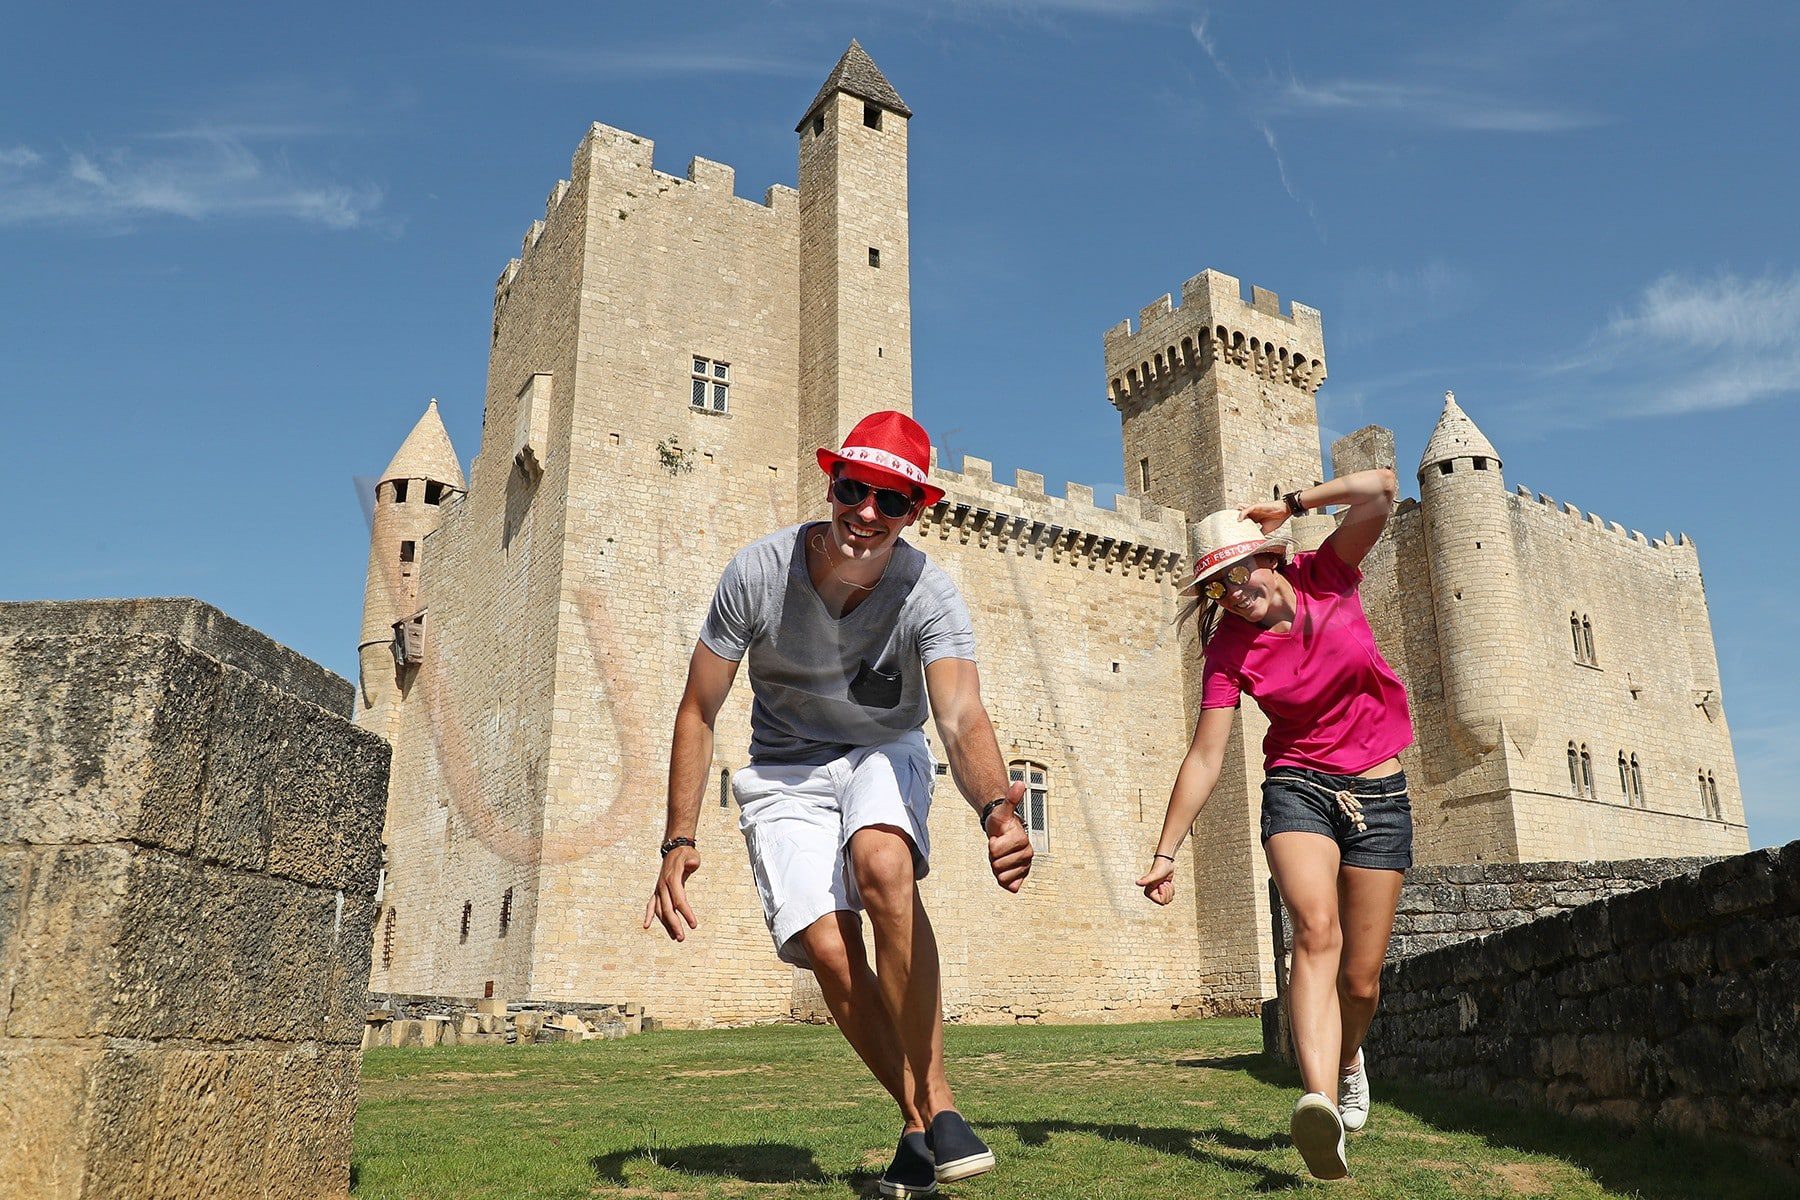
(621, 166)
(1214, 325)
(1019, 518)
(1547, 505)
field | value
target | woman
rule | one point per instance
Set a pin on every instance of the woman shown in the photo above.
(1289, 629)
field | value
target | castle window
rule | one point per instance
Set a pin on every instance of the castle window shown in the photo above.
(1587, 772)
(724, 789)
(1581, 633)
(1587, 641)
(1574, 769)
(1034, 811)
(1143, 475)
(1480, 463)
(506, 912)
(387, 939)
(818, 124)
(408, 551)
(874, 257)
(1710, 794)
(434, 492)
(468, 911)
(1637, 782)
(872, 115)
(1445, 467)
(400, 491)
(1624, 778)
(711, 385)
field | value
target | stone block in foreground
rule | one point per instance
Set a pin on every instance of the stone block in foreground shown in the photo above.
(189, 849)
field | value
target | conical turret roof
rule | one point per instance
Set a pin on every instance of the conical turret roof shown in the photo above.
(1456, 437)
(857, 74)
(426, 453)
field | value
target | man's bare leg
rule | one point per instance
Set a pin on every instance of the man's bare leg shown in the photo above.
(834, 946)
(906, 959)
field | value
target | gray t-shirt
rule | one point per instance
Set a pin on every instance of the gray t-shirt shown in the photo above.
(825, 685)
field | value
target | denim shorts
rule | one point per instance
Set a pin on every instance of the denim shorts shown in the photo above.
(1369, 819)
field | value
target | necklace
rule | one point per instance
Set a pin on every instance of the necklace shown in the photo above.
(818, 542)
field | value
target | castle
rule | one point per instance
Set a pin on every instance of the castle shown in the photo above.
(665, 358)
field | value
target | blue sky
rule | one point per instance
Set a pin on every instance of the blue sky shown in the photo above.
(243, 247)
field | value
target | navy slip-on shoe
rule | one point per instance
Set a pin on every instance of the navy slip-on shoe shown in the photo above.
(911, 1173)
(958, 1152)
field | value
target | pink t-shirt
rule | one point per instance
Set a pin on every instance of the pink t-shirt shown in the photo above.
(1332, 701)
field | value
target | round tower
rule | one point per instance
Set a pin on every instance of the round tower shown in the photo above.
(1476, 589)
(409, 500)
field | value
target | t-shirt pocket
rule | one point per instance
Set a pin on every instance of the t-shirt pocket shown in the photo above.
(874, 688)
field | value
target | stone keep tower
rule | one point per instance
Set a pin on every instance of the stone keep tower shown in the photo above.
(408, 505)
(1216, 402)
(855, 298)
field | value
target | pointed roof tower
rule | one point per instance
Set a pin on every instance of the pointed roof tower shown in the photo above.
(1455, 437)
(426, 453)
(857, 74)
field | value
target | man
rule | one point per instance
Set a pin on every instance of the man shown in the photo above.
(850, 632)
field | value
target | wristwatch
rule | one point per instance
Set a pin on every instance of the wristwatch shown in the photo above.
(674, 842)
(1292, 500)
(987, 810)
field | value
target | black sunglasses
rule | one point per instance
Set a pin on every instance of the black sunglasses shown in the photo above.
(890, 503)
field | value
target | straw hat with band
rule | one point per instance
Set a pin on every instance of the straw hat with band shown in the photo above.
(890, 444)
(1224, 538)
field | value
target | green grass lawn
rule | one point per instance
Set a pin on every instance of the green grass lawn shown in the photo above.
(1178, 1109)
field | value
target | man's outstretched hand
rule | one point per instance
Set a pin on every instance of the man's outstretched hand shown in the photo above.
(669, 901)
(1009, 845)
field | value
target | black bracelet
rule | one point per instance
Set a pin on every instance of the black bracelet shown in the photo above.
(987, 810)
(674, 842)
(1160, 854)
(1294, 507)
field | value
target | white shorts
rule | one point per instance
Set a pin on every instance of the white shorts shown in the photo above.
(797, 822)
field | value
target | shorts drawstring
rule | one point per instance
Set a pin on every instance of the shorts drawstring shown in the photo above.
(1348, 803)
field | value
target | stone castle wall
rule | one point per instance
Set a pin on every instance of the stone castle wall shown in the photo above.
(188, 865)
(1673, 1004)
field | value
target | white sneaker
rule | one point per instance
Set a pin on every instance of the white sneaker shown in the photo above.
(1318, 1134)
(1353, 1095)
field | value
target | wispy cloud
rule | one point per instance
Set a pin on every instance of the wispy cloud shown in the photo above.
(1694, 345)
(1427, 105)
(194, 176)
(647, 64)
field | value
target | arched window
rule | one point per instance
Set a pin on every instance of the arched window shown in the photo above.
(724, 788)
(1034, 811)
(1624, 778)
(1712, 794)
(1637, 782)
(1587, 641)
(1587, 772)
(1575, 634)
(1574, 769)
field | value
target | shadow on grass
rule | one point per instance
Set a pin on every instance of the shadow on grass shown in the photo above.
(1649, 1162)
(751, 1162)
(1201, 1145)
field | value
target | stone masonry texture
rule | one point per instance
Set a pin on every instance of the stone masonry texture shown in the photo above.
(189, 857)
(1673, 1003)
(560, 594)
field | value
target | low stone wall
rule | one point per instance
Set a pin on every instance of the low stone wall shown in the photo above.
(1444, 904)
(1677, 1003)
(1440, 905)
(189, 853)
(399, 1020)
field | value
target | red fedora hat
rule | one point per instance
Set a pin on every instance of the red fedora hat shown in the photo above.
(888, 443)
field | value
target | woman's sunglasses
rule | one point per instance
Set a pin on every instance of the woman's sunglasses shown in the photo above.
(888, 502)
(1215, 590)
